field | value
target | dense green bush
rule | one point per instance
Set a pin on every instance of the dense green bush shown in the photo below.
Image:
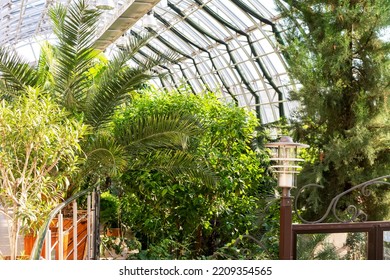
(341, 59)
(109, 210)
(182, 215)
(39, 153)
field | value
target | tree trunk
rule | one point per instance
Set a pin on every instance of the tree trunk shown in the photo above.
(13, 232)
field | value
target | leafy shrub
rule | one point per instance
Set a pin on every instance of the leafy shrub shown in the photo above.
(109, 210)
(166, 213)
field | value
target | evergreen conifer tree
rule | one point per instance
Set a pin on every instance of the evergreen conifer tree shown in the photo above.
(339, 54)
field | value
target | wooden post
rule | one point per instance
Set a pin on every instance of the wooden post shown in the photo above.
(285, 240)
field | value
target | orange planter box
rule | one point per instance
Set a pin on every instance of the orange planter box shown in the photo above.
(67, 240)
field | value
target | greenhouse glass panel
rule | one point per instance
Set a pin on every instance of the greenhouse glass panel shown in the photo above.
(230, 45)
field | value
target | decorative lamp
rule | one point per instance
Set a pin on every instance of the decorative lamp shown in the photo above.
(285, 154)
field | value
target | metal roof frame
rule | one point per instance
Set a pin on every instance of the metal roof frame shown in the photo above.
(227, 46)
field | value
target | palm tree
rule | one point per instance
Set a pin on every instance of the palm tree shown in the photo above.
(92, 87)
(74, 72)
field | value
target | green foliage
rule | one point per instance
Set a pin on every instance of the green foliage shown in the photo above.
(165, 249)
(109, 210)
(353, 246)
(118, 247)
(336, 51)
(40, 147)
(315, 247)
(173, 195)
(75, 28)
(91, 88)
(160, 142)
(181, 210)
(357, 246)
(245, 247)
(85, 82)
(16, 74)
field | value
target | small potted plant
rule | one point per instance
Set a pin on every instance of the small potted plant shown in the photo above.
(109, 214)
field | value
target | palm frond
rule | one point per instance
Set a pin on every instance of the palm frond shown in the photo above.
(175, 163)
(104, 156)
(118, 79)
(107, 96)
(133, 44)
(45, 61)
(158, 131)
(159, 142)
(75, 27)
(15, 72)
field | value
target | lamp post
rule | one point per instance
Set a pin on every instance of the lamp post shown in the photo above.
(285, 156)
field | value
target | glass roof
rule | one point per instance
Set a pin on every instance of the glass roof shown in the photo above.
(226, 46)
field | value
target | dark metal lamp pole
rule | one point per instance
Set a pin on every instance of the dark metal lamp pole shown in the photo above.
(285, 155)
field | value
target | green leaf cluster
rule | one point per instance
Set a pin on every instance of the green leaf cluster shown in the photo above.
(109, 210)
(80, 80)
(40, 148)
(39, 152)
(337, 53)
(182, 209)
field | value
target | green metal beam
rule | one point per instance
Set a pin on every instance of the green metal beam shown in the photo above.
(185, 39)
(222, 42)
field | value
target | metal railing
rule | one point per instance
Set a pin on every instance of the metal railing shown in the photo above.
(351, 219)
(56, 249)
